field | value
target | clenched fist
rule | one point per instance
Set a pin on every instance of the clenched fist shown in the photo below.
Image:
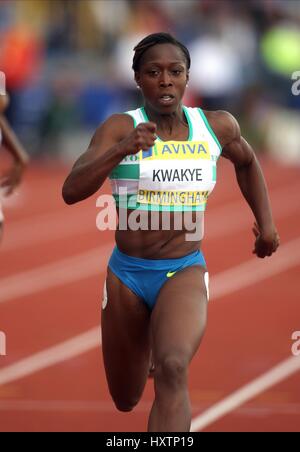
(141, 138)
(266, 243)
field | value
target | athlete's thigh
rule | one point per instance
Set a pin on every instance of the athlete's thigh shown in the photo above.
(125, 340)
(179, 317)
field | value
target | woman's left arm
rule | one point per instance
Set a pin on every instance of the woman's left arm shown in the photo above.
(12, 178)
(253, 186)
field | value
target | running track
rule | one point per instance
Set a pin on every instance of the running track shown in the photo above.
(52, 269)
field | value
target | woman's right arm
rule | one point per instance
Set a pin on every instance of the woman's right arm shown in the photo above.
(110, 144)
(11, 178)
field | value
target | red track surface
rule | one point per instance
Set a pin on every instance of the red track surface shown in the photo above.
(249, 330)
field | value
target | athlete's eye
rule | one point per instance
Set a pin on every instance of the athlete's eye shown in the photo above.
(153, 73)
(176, 72)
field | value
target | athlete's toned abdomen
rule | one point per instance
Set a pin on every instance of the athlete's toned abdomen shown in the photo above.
(175, 235)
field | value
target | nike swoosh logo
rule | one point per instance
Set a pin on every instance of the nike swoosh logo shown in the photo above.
(170, 274)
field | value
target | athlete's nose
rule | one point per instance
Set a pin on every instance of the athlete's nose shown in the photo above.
(165, 80)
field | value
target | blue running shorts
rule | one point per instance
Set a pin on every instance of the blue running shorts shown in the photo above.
(145, 277)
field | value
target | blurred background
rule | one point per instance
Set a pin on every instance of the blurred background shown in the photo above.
(68, 67)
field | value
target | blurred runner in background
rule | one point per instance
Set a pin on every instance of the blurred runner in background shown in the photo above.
(11, 178)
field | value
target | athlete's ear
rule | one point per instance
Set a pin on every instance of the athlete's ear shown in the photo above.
(187, 77)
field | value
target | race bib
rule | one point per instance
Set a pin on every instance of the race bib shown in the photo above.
(176, 173)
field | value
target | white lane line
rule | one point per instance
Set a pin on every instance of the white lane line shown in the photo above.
(90, 263)
(274, 376)
(222, 289)
(52, 356)
(29, 405)
(59, 273)
(256, 270)
(237, 215)
(67, 405)
(48, 227)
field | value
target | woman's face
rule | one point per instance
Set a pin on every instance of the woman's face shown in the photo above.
(163, 76)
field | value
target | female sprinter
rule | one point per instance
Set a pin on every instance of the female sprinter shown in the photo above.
(161, 159)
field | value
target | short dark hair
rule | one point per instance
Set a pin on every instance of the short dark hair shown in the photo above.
(152, 40)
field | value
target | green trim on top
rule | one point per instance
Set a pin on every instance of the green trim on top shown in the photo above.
(191, 134)
(125, 172)
(145, 116)
(134, 120)
(210, 129)
(185, 111)
(214, 173)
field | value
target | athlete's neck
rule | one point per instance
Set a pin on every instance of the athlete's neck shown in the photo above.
(166, 122)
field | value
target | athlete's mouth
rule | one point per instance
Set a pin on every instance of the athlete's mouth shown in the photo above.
(167, 97)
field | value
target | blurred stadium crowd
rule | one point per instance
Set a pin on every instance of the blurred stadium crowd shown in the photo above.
(68, 66)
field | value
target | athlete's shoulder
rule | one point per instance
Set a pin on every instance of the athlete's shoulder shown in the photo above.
(120, 120)
(224, 124)
(117, 125)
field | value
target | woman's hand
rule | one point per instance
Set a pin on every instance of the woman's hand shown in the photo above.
(4, 102)
(141, 138)
(12, 178)
(266, 242)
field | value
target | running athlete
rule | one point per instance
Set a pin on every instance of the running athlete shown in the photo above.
(161, 159)
(11, 179)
